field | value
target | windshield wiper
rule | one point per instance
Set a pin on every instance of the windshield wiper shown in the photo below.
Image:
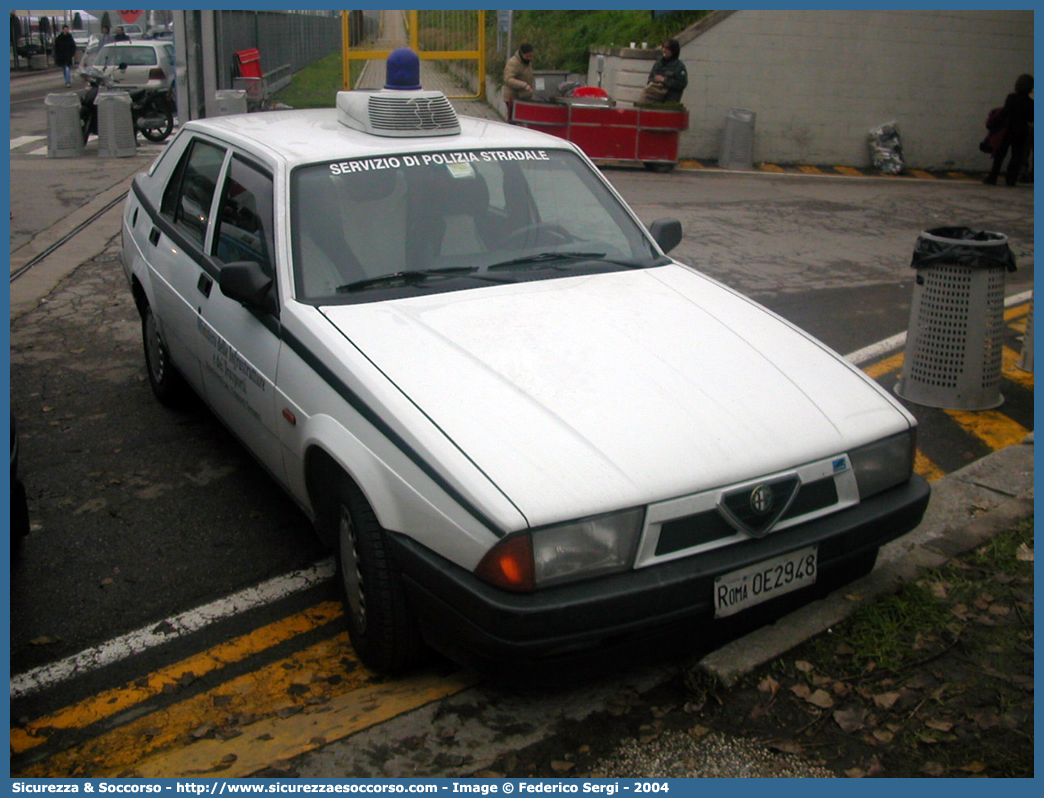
(410, 277)
(549, 257)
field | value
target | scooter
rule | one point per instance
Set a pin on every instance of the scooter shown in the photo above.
(152, 110)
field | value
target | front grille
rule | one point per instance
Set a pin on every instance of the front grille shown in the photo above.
(813, 496)
(693, 530)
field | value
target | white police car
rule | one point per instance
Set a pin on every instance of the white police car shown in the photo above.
(526, 430)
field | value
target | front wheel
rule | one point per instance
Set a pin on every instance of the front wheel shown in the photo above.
(156, 125)
(167, 384)
(381, 625)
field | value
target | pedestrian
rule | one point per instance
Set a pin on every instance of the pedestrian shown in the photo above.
(518, 76)
(64, 53)
(1017, 118)
(668, 77)
(106, 36)
(121, 35)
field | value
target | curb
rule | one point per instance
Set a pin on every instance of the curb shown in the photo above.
(967, 507)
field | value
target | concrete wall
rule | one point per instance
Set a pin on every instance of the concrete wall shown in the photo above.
(820, 80)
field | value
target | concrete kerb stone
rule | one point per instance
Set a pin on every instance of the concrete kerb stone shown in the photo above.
(967, 507)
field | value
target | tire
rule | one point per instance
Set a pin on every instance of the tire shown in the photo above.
(167, 384)
(158, 132)
(381, 625)
(655, 166)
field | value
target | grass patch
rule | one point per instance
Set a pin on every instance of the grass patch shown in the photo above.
(316, 85)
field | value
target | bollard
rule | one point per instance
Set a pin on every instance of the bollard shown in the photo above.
(64, 134)
(956, 335)
(116, 135)
(737, 146)
(1025, 361)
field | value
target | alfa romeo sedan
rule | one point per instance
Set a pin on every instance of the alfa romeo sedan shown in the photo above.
(525, 429)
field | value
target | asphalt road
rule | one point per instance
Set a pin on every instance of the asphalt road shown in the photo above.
(141, 513)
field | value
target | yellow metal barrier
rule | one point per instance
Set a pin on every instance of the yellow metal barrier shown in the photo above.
(451, 46)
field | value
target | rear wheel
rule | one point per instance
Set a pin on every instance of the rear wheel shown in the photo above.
(157, 125)
(168, 385)
(381, 625)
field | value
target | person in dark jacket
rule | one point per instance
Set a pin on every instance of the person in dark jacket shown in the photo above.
(64, 53)
(1018, 121)
(121, 35)
(669, 73)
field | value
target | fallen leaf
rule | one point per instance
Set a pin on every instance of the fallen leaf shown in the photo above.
(560, 766)
(768, 685)
(939, 589)
(887, 700)
(999, 609)
(883, 735)
(698, 731)
(788, 747)
(821, 698)
(854, 597)
(43, 641)
(850, 720)
(974, 767)
(855, 773)
(933, 768)
(801, 691)
(202, 731)
(1024, 553)
(804, 666)
(939, 724)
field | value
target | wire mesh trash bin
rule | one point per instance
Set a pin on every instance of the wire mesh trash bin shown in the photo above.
(64, 136)
(737, 146)
(116, 134)
(956, 335)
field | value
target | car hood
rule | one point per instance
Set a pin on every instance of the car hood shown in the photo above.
(584, 394)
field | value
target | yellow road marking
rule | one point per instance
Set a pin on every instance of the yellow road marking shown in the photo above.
(811, 170)
(848, 170)
(1017, 312)
(922, 174)
(926, 468)
(886, 366)
(307, 678)
(691, 164)
(993, 428)
(770, 167)
(958, 175)
(271, 741)
(112, 702)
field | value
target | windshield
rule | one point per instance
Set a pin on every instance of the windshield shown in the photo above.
(372, 228)
(127, 54)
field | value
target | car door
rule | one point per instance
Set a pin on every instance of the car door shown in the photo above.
(175, 253)
(241, 344)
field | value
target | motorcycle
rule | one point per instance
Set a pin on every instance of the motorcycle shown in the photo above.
(152, 110)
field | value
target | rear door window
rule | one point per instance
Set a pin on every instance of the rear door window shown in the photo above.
(189, 195)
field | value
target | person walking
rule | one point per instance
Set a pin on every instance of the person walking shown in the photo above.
(64, 53)
(121, 35)
(668, 77)
(1017, 118)
(518, 76)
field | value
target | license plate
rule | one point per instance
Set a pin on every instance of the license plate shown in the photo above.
(757, 583)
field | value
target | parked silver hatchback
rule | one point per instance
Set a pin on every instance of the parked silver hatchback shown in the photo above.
(137, 64)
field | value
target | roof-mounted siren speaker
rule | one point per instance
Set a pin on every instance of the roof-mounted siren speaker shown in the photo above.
(403, 108)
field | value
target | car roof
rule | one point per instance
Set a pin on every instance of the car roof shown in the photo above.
(316, 136)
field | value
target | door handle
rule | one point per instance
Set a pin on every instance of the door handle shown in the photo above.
(154, 236)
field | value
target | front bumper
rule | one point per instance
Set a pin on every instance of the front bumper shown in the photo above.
(483, 626)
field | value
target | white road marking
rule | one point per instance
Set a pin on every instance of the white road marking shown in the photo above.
(899, 341)
(156, 634)
(21, 141)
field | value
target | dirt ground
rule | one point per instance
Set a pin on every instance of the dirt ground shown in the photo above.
(936, 680)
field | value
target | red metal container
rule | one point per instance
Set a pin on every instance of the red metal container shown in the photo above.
(644, 135)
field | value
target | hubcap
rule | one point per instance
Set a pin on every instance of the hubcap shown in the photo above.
(157, 357)
(353, 580)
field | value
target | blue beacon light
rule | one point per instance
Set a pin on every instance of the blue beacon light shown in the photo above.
(402, 70)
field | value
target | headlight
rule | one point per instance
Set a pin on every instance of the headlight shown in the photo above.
(564, 553)
(884, 464)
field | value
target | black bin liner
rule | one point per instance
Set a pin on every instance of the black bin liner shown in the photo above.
(976, 249)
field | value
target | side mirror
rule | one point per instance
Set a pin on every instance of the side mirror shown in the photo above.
(123, 67)
(667, 233)
(246, 283)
